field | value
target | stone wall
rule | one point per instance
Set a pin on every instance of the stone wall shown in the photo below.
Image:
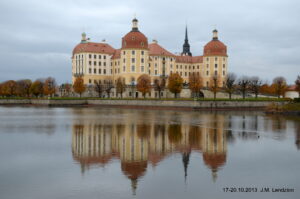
(146, 103)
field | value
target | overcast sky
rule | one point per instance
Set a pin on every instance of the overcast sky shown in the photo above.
(37, 37)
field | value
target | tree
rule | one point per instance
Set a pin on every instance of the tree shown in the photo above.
(108, 86)
(144, 84)
(195, 83)
(243, 83)
(23, 87)
(214, 84)
(297, 83)
(79, 86)
(120, 86)
(175, 83)
(159, 85)
(9, 88)
(255, 84)
(49, 86)
(99, 88)
(229, 83)
(279, 84)
(1, 91)
(36, 88)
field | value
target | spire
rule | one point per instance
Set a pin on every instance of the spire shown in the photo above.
(186, 45)
(134, 183)
(185, 160)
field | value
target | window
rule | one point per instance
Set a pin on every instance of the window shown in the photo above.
(189, 67)
(223, 73)
(207, 73)
(99, 56)
(181, 73)
(142, 68)
(90, 70)
(171, 59)
(104, 57)
(104, 71)
(207, 66)
(223, 65)
(171, 66)
(90, 81)
(99, 71)
(193, 67)
(90, 56)
(132, 60)
(133, 52)
(176, 66)
(124, 61)
(90, 63)
(216, 72)
(224, 59)
(99, 63)
(216, 65)
(124, 52)
(185, 74)
(95, 56)
(95, 63)
(185, 67)
(197, 66)
(142, 44)
(207, 59)
(133, 68)
(95, 71)
(142, 52)
(216, 59)
(142, 60)
(124, 68)
(155, 72)
(155, 65)
(180, 66)
(206, 84)
(104, 63)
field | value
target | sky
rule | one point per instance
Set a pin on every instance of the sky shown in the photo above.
(37, 37)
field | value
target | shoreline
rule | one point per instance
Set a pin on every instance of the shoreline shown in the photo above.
(147, 104)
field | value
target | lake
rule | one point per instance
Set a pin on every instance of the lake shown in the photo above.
(94, 152)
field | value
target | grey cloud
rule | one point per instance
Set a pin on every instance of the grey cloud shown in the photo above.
(37, 37)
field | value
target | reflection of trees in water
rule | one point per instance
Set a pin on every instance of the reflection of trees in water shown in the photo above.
(195, 136)
(297, 136)
(174, 133)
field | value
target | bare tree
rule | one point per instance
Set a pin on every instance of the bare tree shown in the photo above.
(297, 82)
(195, 83)
(243, 83)
(99, 88)
(279, 85)
(23, 87)
(159, 85)
(255, 84)
(108, 86)
(229, 83)
(214, 84)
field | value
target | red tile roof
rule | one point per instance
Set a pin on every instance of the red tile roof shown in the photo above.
(215, 48)
(135, 39)
(93, 47)
(155, 49)
(117, 54)
(189, 59)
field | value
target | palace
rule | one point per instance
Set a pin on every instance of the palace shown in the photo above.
(101, 62)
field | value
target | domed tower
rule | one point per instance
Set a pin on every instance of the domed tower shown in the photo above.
(134, 54)
(215, 59)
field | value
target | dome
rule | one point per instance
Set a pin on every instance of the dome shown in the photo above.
(215, 47)
(135, 39)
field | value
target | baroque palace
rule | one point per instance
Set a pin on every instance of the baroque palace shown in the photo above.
(101, 62)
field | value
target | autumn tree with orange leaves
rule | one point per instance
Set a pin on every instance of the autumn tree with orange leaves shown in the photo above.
(120, 86)
(144, 84)
(175, 84)
(9, 88)
(214, 84)
(36, 88)
(195, 84)
(49, 86)
(79, 86)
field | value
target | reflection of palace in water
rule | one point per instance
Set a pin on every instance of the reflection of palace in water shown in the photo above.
(138, 144)
(146, 137)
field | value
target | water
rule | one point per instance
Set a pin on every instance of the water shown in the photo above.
(123, 153)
